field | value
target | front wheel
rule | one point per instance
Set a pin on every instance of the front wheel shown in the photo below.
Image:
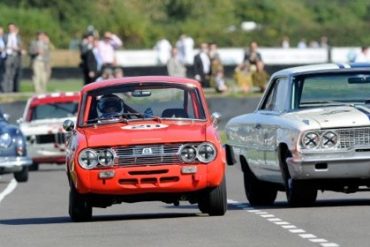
(214, 202)
(79, 209)
(34, 167)
(22, 176)
(258, 193)
(300, 193)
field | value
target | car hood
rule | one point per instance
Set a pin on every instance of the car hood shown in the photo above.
(44, 126)
(5, 127)
(145, 133)
(331, 117)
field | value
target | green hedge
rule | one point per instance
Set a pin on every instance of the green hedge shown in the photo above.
(141, 22)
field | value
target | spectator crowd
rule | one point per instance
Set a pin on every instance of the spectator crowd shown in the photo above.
(11, 51)
(98, 60)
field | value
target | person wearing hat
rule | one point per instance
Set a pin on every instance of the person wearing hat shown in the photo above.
(106, 49)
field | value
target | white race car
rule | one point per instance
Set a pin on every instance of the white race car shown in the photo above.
(310, 132)
(42, 125)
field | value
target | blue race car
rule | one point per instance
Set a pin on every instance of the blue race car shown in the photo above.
(13, 152)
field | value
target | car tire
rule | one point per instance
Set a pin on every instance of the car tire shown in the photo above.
(298, 193)
(258, 193)
(203, 206)
(79, 209)
(22, 176)
(214, 202)
(34, 167)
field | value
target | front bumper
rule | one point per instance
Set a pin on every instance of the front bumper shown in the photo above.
(150, 179)
(330, 168)
(47, 153)
(13, 164)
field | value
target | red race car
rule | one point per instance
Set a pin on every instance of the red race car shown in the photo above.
(42, 125)
(147, 138)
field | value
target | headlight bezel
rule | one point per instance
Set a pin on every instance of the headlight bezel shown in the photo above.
(106, 152)
(97, 159)
(84, 154)
(197, 147)
(310, 137)
(5, 140)
(320, 140)
(210, 158)
(187, 147)
(333, 139)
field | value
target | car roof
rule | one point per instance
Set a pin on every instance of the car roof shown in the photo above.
(320, 68)
(144, 79)
(55, 97)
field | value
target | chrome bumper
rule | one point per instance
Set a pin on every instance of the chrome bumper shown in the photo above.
(44, 150)
(13, 164)
(329, 168)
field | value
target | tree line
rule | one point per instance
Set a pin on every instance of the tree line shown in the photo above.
(140, 23)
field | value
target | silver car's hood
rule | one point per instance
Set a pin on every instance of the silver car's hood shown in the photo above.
(331, 117)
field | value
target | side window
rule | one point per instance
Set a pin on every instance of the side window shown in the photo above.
(277, 96)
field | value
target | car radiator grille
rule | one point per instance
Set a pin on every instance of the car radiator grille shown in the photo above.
(148, 154)
(58, 138)
(354, 137)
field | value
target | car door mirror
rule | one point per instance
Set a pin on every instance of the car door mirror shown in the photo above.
(216, 117)
(68, 125)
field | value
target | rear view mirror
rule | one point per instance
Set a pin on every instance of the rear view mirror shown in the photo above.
(141, 93)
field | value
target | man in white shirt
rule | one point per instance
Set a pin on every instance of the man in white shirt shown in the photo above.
(13, 45)
(185, 47)
(163, 48)
(188, 49)
(107, 48)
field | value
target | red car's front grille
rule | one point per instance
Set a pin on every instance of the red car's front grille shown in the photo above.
(148, 154)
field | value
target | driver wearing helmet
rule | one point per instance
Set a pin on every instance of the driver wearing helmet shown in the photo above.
(110, 106)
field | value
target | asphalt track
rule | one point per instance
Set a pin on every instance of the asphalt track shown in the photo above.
(35, 214)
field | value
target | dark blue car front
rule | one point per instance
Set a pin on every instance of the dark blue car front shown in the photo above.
(13, 152)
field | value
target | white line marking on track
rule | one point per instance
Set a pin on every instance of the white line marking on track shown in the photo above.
(261, 212)
(9, 189)
(274, 219)
(267, 215)
(329, 245)
(289, 226)
(297, 230)
(284, 224)
(318, 240)
(307, 235)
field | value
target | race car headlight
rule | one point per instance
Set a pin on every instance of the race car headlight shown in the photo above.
(329, 139)
(88, 159)
(106, 157)
(206, 152)
(310, 140)
(188, 153)
(5, 140)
